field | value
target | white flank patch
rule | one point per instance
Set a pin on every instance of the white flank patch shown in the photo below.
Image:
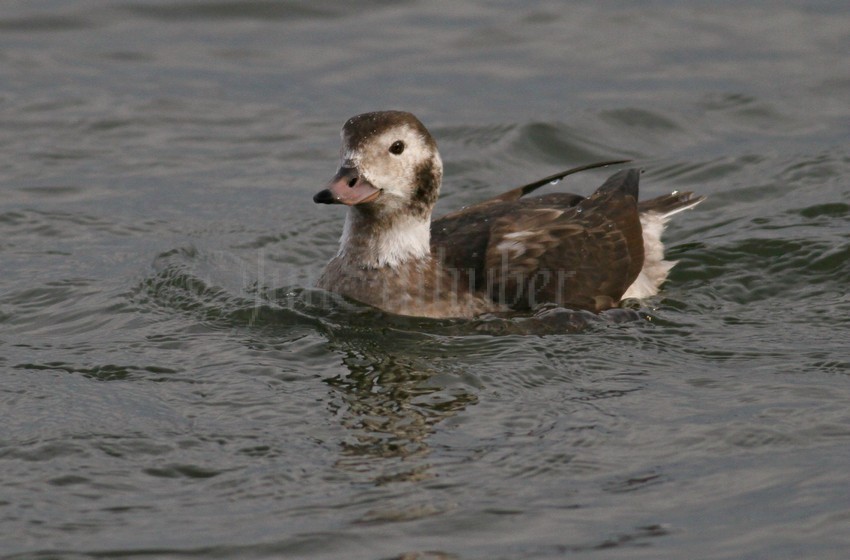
(655, 268)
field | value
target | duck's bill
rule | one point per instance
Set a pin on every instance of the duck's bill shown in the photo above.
(347, 187)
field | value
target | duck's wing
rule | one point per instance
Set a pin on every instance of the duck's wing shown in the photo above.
(584, 256)
(460, 238)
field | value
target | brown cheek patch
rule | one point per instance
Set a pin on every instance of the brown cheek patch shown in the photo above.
(427, 188)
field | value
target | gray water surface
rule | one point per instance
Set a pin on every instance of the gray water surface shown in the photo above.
(171, 385)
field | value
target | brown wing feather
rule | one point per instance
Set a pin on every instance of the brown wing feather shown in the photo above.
(556, 248)
(585, 256)
(473, 227)
(519, 244)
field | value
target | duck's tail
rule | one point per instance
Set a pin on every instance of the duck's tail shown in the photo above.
(667, 205)
(654, 214)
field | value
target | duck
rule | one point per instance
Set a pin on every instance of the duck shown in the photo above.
(512, 253)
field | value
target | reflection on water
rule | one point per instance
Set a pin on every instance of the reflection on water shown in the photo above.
(391, 406)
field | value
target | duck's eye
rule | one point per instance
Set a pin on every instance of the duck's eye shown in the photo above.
(397, 147)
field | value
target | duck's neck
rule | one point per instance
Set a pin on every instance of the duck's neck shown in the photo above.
(374, 242)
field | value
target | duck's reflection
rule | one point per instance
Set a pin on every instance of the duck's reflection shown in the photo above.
(391, 406)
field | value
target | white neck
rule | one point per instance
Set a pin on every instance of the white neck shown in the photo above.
(404, 239)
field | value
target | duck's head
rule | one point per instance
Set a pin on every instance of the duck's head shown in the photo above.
(389, 165)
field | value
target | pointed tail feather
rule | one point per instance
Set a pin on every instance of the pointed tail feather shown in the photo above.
(669, 204)
(519, 192)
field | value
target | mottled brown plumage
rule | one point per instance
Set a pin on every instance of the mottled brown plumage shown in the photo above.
(511, 252)
(564, 249)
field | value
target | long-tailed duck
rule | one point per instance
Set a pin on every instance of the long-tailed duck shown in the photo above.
(507, 253)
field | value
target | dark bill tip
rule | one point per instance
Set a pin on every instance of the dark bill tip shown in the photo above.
(324, 197)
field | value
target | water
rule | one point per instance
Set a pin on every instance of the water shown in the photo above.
(173, 387)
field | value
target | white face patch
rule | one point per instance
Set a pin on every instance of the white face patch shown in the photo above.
(401, 160)
(395, 174)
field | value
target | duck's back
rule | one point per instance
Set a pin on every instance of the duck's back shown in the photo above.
(558, 248)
